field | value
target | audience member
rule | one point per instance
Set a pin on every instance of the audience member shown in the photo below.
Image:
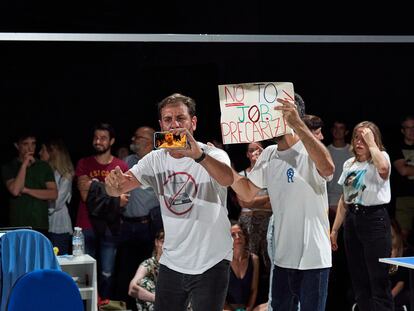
(367, 229)
(403, 181)
(255, 217)
(100, 246)
(137, 227)
(315, 124)
(142, 285)
(192, 187)
(295, 172)
(60, 225)
(31, 184)
(244, 272)
(339, 282)
(122, 152)
(340, 152)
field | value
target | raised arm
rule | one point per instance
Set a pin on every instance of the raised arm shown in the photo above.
(259, 201)
(117, 182)
(216, 169)
(316, 150)
(378, 158)
(244, 188)
(16, 185)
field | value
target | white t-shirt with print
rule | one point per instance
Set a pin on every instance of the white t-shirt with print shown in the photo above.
(363, 185)
(300, 207)
(193, 206)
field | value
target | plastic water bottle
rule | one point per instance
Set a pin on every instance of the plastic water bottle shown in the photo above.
(78, 242)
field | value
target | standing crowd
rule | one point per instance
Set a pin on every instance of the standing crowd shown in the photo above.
(157, 221)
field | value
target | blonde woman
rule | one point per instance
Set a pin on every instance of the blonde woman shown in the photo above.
(362, 208)
(60, 226)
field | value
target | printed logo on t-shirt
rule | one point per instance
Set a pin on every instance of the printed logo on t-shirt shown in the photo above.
(179, 189)
(409, 158)
(354, 186)
(290, 173)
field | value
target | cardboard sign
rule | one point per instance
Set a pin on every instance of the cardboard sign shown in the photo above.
(247, 111)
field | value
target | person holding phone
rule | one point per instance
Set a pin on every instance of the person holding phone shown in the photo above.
(191, 185)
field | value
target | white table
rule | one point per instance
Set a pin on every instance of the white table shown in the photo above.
(83, 267)
(407, 262)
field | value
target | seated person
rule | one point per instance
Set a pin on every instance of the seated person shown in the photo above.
(142, 286)
(244, 273)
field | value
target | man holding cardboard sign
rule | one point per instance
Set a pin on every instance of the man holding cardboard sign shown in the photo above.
(295, 172)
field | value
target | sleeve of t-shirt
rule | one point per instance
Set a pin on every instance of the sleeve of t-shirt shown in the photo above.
(218, 154)
(81, 168)
(344, 173)
(144, 169)
(379, 178)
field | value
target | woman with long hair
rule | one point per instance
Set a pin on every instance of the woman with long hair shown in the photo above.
(244, 272)
(60, 226)
(362, 208)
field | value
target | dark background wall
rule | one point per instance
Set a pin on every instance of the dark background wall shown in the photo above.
(64, 88)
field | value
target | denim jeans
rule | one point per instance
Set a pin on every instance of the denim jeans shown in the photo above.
(307, 287)
(367, 238)
(103, 249)
(206, 291)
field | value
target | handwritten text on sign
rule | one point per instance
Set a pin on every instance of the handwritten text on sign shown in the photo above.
(247, 111)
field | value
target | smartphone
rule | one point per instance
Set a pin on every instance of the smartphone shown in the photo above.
(168, 140)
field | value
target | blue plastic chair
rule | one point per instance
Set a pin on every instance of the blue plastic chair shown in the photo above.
(22, 251)
(45, 290)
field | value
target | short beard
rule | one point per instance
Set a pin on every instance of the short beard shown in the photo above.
(99, 152)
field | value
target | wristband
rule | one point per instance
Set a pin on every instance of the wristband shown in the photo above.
(201, 158)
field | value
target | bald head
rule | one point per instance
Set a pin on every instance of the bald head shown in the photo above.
(142, 141)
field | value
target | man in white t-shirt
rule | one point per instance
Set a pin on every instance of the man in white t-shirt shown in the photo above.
(191, 186)
(295, 172)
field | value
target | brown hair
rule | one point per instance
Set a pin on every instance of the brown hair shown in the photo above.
(312, 122)
(244, 229)
(375, 130)
(177, 98)
(60, 158)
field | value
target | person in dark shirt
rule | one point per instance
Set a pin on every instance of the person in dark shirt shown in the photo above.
(31, 183)
(402, 158)
(244, 272)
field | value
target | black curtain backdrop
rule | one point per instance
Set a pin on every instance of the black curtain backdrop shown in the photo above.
(63, 89)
